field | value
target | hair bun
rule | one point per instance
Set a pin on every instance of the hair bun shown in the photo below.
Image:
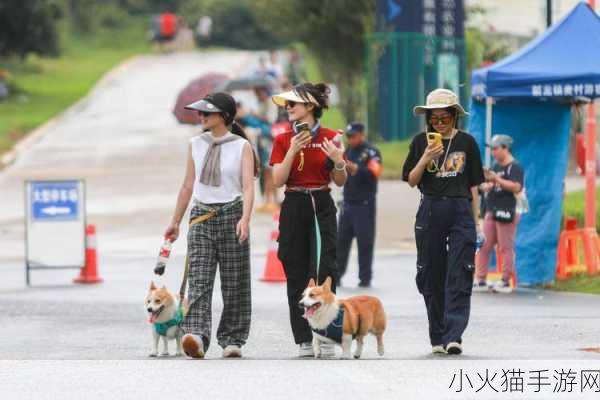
(324, 92)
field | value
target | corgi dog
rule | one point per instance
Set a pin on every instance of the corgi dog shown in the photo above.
(166, 316)
(341, 321)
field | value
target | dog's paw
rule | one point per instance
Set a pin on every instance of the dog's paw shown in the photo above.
(153, 354)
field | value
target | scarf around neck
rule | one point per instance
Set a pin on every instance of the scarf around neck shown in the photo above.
(211, 167)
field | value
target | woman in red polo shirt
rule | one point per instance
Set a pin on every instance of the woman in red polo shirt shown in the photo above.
(306, 160)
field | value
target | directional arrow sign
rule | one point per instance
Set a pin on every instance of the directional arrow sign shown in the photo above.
(394, 9)
(54, 200)
(56, 210)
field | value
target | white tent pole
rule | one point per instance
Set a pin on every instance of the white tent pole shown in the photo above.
(489, 102)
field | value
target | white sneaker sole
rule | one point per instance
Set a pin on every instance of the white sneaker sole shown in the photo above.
(232, 353)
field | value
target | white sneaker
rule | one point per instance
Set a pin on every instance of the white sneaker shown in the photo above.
(502, 287)
(454, 348)
(192, 346)
(480, 286)
(327, 351)
(232, 351)
(306, 350)
(438, 349)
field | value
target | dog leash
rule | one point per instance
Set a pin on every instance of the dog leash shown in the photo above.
(318, 242)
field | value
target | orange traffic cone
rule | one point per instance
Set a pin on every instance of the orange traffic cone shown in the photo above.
(89, 273)
(273, 267)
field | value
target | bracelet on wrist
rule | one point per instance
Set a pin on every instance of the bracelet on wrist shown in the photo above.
(341, 166)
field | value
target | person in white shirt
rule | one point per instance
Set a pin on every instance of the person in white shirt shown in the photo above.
(221, 168)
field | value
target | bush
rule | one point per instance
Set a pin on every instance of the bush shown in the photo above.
(111, 16)
(28, 26)
(82, 15)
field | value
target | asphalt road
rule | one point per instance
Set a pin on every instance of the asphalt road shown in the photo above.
(123, 140)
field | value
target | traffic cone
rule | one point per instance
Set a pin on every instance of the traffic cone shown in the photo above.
(89, 273)
(273, 268)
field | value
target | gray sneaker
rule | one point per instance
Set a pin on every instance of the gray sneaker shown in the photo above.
(232, 351)
(306, 350)
(480, 286)
(327, 351)
(438, 349)
(502, 287)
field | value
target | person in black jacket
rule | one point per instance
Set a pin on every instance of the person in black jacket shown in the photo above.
(447, 172)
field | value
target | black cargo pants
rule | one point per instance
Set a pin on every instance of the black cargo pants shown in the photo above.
(445, 234)
(297, 250)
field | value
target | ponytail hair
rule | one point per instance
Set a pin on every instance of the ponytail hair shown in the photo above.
(236, 129)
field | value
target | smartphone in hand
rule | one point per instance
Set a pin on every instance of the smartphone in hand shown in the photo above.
(434, 137)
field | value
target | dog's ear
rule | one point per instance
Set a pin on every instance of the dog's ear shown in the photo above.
(152, 286)
(311, 283)
(327, 284)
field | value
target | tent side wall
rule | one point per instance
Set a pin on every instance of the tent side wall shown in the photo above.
(540, 131)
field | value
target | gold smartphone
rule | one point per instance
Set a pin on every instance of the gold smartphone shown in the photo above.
(434, 137)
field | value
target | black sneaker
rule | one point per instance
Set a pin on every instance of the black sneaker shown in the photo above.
(454, 348)
(364, 284)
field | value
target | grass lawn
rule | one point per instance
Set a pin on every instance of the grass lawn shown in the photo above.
(580, 284)
(394, 154)
(574, 206)
(43, 87)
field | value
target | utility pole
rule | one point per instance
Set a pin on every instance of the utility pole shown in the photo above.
(548, 13)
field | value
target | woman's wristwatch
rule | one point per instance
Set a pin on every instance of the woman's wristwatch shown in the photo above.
(341, 166)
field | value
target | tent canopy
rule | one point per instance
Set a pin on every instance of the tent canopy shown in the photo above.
(563, 62)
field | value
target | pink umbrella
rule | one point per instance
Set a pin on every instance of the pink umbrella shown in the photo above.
(194, 91)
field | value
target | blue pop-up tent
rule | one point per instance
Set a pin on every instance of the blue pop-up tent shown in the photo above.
(528, 96)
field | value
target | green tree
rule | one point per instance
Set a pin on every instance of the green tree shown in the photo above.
(235, 23)
(28, 26)
(335, 31)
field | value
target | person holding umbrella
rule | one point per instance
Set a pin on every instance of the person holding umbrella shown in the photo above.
(220, 172)
(445, 164)
(305, 160)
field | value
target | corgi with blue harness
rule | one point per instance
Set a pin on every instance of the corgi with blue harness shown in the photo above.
(342, 321)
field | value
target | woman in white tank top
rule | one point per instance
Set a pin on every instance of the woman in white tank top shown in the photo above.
(219, 176)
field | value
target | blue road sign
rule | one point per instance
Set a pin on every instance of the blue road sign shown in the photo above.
(55, 201)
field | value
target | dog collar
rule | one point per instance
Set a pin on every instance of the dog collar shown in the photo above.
(335, 330)
(162, 327)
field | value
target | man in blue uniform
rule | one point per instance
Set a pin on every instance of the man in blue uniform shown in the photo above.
(357, 217)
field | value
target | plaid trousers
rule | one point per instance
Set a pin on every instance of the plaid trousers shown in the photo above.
(213, 242)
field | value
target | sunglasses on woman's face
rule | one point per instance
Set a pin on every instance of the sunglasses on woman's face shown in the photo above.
(445, 120)
(205, 113)
(290, 104)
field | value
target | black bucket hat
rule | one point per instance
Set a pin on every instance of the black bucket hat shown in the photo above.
(219, 102)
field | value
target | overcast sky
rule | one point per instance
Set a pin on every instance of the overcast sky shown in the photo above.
(521, 17)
